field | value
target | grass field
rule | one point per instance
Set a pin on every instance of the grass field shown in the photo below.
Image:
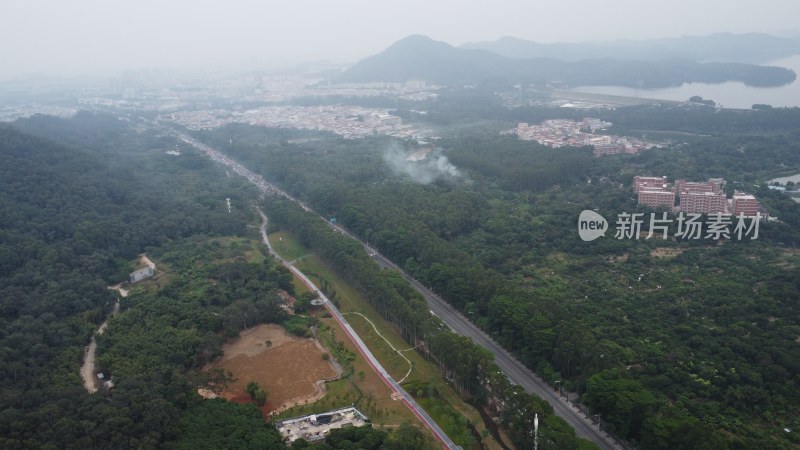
(423, 373)
(287, 246)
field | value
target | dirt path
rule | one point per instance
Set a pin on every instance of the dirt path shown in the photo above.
(145, 260)
(118, 287)
(399, 352)
(300, 258)
(87, 369)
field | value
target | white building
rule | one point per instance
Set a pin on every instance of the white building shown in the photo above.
(142, 274)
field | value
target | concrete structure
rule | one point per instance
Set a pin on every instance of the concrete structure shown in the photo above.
(315, 427)
(656, 198)
(592, 124)
(652, 191)
(703, 202)
(560, 132)
(649, 183)
(714, 185)
(744, 204)
(603, 150)
(383, 120)
(704, 197)
(142, 274)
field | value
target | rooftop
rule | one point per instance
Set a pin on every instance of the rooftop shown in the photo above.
(315, 427)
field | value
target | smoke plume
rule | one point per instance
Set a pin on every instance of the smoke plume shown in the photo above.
(426, 171)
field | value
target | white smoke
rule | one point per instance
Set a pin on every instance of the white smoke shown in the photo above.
(426, 171)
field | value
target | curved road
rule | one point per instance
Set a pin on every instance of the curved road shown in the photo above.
(423, 416)
(399, 353)
(513, 369)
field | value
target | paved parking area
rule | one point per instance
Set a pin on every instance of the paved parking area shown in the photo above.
(314, 427)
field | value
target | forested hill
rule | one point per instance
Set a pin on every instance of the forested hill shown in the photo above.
(72, 214)
(419, 57)
(677, 344)
(728, 47)
(69, 222)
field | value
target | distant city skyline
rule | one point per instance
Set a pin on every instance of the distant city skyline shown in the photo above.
(96, 36)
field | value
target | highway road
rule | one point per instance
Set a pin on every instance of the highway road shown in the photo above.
(409, 401)
(513, 369)
(259, 181)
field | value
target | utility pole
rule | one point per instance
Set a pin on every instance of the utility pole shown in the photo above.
(536, 432)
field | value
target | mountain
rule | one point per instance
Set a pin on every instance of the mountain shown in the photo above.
(720, 47)
(419, 57)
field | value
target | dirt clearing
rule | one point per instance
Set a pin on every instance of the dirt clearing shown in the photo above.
(666, 252)
(293, 370)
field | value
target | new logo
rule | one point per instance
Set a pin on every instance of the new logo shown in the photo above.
(591, 225)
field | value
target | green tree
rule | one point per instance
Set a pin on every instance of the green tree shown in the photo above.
(256, 393)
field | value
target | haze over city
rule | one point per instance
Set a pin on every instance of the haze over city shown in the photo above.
(96, 37)
(400, 225)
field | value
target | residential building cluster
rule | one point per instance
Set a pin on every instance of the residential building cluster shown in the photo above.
(12, 113)
(169, 92)
(347, 121)
(559, 133)
(702, 197)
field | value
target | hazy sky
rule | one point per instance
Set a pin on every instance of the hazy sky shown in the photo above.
(74, 36)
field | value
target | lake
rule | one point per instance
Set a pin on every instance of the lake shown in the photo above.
(732, 94)
(783, 180)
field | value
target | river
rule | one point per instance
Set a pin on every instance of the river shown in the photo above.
(732, 94)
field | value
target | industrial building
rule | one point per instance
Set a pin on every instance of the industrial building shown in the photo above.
(315, 427)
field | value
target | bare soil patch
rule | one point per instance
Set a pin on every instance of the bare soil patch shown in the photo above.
(618, 259)
(118, 287)
(665, 252)
(291, 369)
(144, 260)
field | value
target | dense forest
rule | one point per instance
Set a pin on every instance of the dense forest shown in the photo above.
(72, 217)
(472, 372)
(675, 344)
(80, 200)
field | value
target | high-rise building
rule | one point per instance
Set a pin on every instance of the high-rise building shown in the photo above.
(715, 185)
(744, 204)
(650, 183)
(703, 202)
(656, 198)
